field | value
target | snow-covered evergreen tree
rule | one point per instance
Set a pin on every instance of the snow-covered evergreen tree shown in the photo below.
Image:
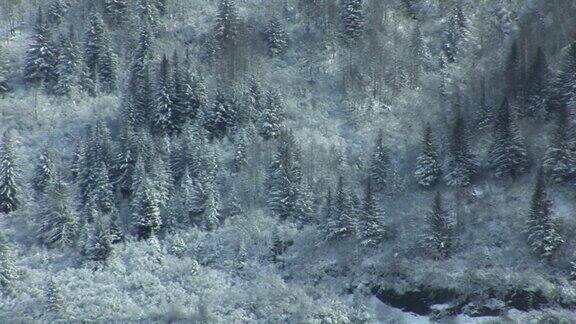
(226, 29)
(163, 119)
(341, 221)
(116, 10)
(69, 70)
(382, 170)
(564, 83)
(58, 223)
(462, 164)
(102, 189)
(54, 298)
(285, 178)
(439, 235)
(276, 38)
(55, 13)
(102, 248)
(43, 171)
(222, 118)
(508, 156)
(41, 55)
(538, 86)
(484, 114)
(370, 229)
(542, 229)
(147, 213)
(427, 165)
(4, 71)
(7, 268)
(10, 192)
(513, 73)
(457, 33)
(353, 21)
(99, 56)
(559, 162)
(272, 118)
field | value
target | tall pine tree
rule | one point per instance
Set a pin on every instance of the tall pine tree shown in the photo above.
(462, 164)
(427, 165)
(99, 56)
(439, 235)
(10, 193)
(560, 160)
(507, 154)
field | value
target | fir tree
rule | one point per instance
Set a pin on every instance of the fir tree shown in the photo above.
(254, 104)
(116, 11)
(102, 189)
(370, 229)
(439, 235)
(537, 86)
(221, 119)
(99, 56)
(41, 56)
(342, 223)
(58, 223)
(147, 12)
(147, 213)
(10, 199)
(179, 95)
(102, 248)
(420, 54)
(513, 73)
(484, 115)
(285, 178)
(226, 29)
(564, 83)
(7, 269)
(427, 165)
(352, 21)
(276, 37)
(115, 231)
(272, 117)
(4, 71)
(542, 229)
(559, 160)
(382, 171)
(163, 120)
(456, 33)
(43, 172)
(507, 154)
(462, 164)
(211, 213)
(55, 12)
(240, 152)
(68, 67)
(139, 84)
(54, 298)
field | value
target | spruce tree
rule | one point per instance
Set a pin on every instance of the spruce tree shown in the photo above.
(285, 178)
(254, 104)
(163, 120)
(115, 231)
(272, 118)
(276, 38)
(513, 73)
(353, 21)
(564, 83)
(484, 115)
(221, 119)
(421, 57)
(41, 56)
(102, 188)
(69, 70)
(537, 86)
(4, 71)
(179, 95)
(542, 229)
(456, 33)
(226, 29)
(55, 12)
(427, 165)
(10, 193)
(382, 171)
(507, 154)
(240, 152)
(370, 229)
(102, 248)
(57, 218)
(560, 160)
(439, 235)
(147, 213)
(147, 12)
(115, 11)
(99, 56)
(462, 164)
(43, 172)
(54, 298)
(211, 218)
(342, 223)
(7, 269)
